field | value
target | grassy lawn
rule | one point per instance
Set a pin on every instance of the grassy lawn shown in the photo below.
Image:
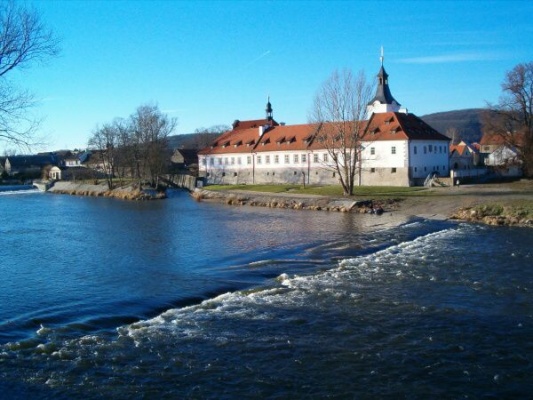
(335, 191)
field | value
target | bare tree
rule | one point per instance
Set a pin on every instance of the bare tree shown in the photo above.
(205, 136)
(150, 129)
(340, 111)
(105, 141)
(512, 117)
(453, 134)
(24, 40)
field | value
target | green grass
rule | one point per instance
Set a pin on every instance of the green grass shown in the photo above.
(330, 190)
(522, 209)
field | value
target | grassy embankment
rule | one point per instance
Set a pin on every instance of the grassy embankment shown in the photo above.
(494, 204)
(331, 191)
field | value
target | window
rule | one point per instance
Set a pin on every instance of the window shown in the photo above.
(276, 159)
(414, 149)
(232, 160)
(248, 160)
(315, 158)
(430, 148)
(425, 149)
(325, 157)
(372, 170)
(393, 150)
(226, 160)
(220, 161)
(373, 151)
(211, 161)
(287, 159)
(304, 158)
(259, 159)
(267, 159)
(393, 171)
(415, 169)
(239, 160)
(204, 161)
(296, 158)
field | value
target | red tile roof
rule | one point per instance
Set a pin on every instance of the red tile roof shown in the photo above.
(495, 139)
(256, 123)
(386, 126)
(398, 126)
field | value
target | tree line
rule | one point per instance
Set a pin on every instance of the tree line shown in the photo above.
(135, 147)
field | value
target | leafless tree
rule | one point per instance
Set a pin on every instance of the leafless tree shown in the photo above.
(453, 134)
(512, 117)
(24, 40)
(150, 129)
(339, 111)
(205, 136)
(105, 141)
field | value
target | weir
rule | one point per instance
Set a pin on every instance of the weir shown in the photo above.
(180, 181)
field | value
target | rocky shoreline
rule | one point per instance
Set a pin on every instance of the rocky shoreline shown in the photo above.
(493, 215)
(475, 206)
(295, 202)
(130, 192)
(446, 206)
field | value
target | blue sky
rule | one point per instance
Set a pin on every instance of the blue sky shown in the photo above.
(212, 62)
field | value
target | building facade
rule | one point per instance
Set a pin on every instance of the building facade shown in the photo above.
(395, 149)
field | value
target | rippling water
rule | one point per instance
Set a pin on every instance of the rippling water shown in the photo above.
(102, 298)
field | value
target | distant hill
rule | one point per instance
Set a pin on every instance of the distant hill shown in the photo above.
(467, 123)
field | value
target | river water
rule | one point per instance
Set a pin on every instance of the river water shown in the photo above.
(175, 299)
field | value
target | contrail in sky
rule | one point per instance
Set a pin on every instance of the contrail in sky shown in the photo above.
(266, 53)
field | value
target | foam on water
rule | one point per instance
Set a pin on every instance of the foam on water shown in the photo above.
(381, 332)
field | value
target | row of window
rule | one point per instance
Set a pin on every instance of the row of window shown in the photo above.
(267, 159)
(431, 149)
(427, 149)
(302, 158)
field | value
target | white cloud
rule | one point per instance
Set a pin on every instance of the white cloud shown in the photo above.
(450, 58)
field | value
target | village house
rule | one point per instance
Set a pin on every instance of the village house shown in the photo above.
(29, 166)
(396, 149)
(500, 156)
(464, 156)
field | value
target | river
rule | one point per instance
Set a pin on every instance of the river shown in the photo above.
(174, 299)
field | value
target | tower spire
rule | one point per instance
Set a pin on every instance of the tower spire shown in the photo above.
(383, 100)
(269, 110)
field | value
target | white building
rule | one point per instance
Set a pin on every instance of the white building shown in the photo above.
(396, 149)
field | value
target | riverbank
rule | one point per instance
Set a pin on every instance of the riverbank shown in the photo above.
(129, 192)
(494, 204)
